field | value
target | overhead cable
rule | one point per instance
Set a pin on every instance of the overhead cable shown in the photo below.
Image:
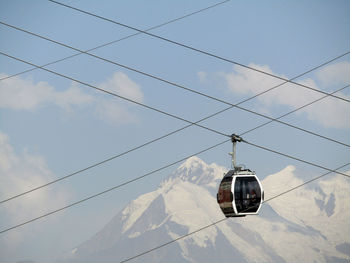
(297, 109)
(173, 240)
(157, 170)
(120, 39)
(190, 90)
(162, 79)
(150, 142)
(116, 95)
(181, 86)
(196, 49)
(215, 146)
(104, 161)
(305, 183)
(111, 189)
(292, 157)
(164, 136)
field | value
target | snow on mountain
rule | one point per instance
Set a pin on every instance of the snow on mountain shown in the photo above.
(306, 225)
(321, 208)
(196, 171)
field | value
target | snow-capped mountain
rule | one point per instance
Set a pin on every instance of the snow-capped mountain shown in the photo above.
(310, 224)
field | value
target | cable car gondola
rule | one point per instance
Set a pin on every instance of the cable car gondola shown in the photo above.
(240, 192)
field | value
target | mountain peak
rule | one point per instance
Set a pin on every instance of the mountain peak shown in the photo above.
(192, 162)
(281, 181)
(196, 171)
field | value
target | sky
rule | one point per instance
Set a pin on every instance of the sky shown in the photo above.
(51, 126)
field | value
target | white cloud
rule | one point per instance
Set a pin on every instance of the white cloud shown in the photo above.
(24, 94)
(248, 82)
(202, 76)
(329, 112)
(121, 84)
(338, 73)
(72, 96)
(19, 173)
(113, 112)
(116, 111)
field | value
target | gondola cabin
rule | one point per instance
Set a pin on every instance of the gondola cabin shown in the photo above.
(240, 193)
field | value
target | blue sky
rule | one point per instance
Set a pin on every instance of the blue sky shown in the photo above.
(51, 126)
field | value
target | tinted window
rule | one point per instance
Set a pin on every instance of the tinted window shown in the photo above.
(247, 194)
(225, 196)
